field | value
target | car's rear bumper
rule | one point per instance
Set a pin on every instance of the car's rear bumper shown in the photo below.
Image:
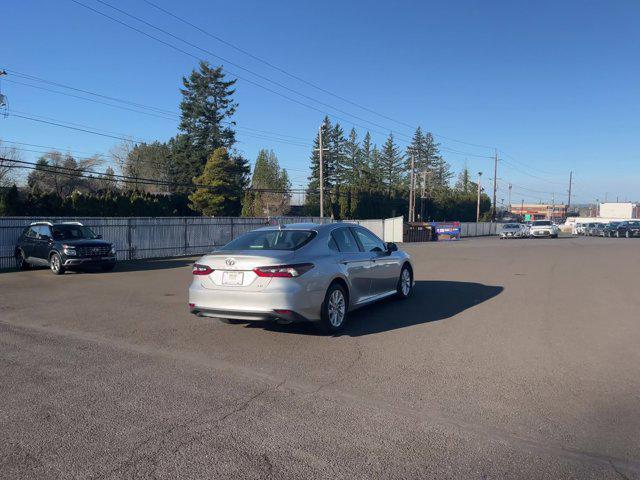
(303, 300)
(280, 315)
(89, 261)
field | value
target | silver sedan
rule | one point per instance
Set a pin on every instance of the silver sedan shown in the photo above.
(299, 272)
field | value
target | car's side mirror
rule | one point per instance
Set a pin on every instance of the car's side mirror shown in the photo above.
(98, 236)
(391, 247)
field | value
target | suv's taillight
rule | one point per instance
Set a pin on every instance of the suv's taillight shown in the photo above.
(199, 269)
(283, 271)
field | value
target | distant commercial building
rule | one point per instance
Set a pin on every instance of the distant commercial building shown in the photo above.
(539, 211)
(620, 210)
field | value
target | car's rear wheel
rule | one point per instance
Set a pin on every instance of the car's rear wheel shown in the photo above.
(21, 261)
(333, 313)
(405, 282)
(55, 262)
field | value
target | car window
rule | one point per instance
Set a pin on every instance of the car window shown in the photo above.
(72, 232)
(369, 242)
(345, 240)
(30, 233)
(333, 245)
(271, 240)
(42, 230)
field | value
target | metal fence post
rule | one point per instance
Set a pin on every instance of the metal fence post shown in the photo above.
(129, 246)
(231, 228)
(186, 236)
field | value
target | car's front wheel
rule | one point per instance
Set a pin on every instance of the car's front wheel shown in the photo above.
(21, 261)
(333, 314)
(55, 262)
(405, 282)
(627, 234)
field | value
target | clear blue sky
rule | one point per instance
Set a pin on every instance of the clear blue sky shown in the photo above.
(555, 85)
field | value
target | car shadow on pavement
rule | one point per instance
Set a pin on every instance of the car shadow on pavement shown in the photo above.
(124, 266)
(430, 301)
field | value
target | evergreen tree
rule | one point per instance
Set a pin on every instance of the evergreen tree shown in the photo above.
(267, 175)
(353, 164)
(464, 184)
(391, 164)
(206, 104)
(338, 157)
(222, 184)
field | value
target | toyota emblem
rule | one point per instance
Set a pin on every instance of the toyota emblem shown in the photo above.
(230, 261)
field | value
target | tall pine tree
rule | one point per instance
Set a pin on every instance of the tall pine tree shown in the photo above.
(391, 165)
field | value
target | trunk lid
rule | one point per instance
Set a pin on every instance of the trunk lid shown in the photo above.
(233, 269)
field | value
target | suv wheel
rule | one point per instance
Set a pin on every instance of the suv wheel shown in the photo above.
(21, 261)
(626, 234)
(55, 262)
(333, 312)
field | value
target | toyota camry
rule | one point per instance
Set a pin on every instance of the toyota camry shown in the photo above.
(299, 272)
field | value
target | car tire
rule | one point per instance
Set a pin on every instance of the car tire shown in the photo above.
(333, 312)
(21, 261)
(405, 283)
(55, 263)
(617, 234)
(107, 268)
(626, 234)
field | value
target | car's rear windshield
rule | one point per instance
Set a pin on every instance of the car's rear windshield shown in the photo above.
(541, 223)
(512, 225)
(72, 232)
(271, 240)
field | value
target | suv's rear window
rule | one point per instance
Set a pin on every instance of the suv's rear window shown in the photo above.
(271, 240)
(541, 223)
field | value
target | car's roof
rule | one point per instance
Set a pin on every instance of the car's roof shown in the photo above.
(318, 227)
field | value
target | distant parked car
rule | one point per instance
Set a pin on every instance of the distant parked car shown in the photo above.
(629, 228)
(597, 230)
(588, 228)
(544, 228)
(579, 229)
(512, 230)
(610, 229)
(63, 246)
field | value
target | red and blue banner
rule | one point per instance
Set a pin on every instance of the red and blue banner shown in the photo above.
(446, 230)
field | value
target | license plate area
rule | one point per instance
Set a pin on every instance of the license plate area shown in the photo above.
(232, 278)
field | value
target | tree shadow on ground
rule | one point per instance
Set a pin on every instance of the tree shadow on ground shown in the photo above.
(430, 301)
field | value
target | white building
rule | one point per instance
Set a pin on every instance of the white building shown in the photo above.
(619, 210)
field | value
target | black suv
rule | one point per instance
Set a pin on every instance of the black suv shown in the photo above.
(628, 229)
(63, 246)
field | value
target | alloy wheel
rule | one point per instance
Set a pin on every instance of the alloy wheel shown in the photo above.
(336, 308)
(405, 282)
(55, 263)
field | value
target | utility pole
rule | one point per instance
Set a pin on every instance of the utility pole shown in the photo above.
(495, 186)
(411, 186)
(569, 200)
(422, 193)
(553, 206)
(522, 209)
(510, 197)
(320, 152)
(479, 190)
(321, 173)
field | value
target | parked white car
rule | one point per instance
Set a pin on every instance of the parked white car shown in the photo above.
(544, 228)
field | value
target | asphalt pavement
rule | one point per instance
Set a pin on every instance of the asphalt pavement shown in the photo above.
(512, 359)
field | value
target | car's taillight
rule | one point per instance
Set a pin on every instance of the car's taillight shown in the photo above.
(201, 269)
(283, 271)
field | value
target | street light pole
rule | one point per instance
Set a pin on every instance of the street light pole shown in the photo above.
(478, 205)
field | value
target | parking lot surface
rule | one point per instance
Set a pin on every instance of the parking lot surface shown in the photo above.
(512, 359)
